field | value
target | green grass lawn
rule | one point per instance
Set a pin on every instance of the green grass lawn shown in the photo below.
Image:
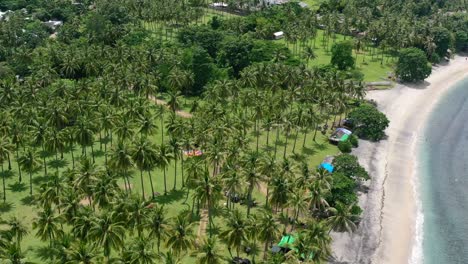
(372, 66)
(20, 205)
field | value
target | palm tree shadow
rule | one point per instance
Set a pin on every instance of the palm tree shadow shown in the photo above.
(17, 187)
(7, 174)
(298, 156)
(215, 230)
(43, 253)
(99, 153)
(308, 151)
(170, 197)
(28, 200)
(320, 146)
(39, 179)
(59, 163)
(6, 207)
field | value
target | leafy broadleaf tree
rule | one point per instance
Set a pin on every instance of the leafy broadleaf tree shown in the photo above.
(412, 65)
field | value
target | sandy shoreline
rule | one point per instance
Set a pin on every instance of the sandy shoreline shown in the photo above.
(387, 231)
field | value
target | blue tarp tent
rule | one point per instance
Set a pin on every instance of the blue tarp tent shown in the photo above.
(327, 166)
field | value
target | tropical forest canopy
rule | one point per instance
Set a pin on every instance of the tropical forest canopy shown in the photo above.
(101, 116)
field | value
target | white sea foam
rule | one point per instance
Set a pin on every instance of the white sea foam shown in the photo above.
(417, 254)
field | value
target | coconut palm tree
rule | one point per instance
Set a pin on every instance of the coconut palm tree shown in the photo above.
(29, 162)
(251, 175)
(48, 225)
(108, 232)
(121, 161)
(208, 252)
(16, 230)
(169, 257)
(181, 236)
(140, 251)
(86, 176)
(342, 219)
(136, 210)
(164, 159)
(157, 224)
(145, 156)
(208, 193)
(269, 229)
(235, 232)
(105, 189)
(81, 252)
(84, 134)
(5, 149)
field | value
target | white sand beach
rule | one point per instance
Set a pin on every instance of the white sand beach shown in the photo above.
(387, 231)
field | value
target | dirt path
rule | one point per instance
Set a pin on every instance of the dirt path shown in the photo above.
(203, 223)
(180, 113)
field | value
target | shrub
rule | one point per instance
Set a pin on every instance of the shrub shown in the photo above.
(354, 141)
(345, 146)
(349, 166)
(368, 122)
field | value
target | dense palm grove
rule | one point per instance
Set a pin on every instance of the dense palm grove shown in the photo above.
(81, 133)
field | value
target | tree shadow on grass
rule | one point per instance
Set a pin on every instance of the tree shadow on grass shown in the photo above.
(308, 151)
(215, 230)
(28, 200)
(17, 187)
(320, 146)
(43, 253)
(298, 157)
(171, 197)
(99, 153)
(58, 163)
(39, 179)
(7, 174)
(6, 207)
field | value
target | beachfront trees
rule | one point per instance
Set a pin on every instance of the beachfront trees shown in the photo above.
(412, 65)
(368, 122)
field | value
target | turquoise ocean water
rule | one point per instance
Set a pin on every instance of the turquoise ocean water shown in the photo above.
(443, 181)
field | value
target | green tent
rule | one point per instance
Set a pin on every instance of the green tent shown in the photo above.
(344, 137)
(287, 241)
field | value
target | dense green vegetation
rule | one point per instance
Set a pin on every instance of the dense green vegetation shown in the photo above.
(96, 116)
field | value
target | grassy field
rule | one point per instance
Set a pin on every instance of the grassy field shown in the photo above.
(20, 204)
(373, 68)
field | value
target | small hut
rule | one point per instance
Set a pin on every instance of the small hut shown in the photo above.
(278, 35)
(341, 134)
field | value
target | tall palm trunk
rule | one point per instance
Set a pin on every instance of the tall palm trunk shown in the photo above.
(285, 145)
(249, 199)
(9, 161)
(175, 173)
(151, 183)
(30, 182)
(73, 157)
(276, 141)
(268, 137)
(142, 184)
(4, 188)
(295, 141)
(182, 170)
(44, 160)
(92, 152)
(305, 137)
(19, 167)
(165, 182)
